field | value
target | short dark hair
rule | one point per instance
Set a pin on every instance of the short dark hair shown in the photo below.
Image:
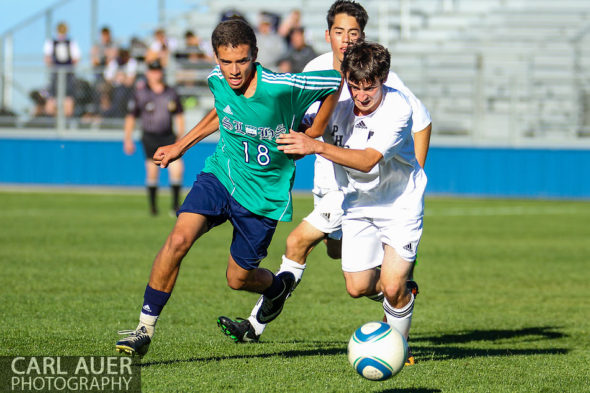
(348, 7)
(366, 62)
(234, 32)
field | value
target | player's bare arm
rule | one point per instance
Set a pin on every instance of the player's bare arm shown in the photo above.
(298, 143)
(422, 143)
(207, 126)
(179, 119)
(324, 113)
(128, 145)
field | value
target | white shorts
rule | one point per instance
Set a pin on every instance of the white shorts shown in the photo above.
(327, 214)
(364, 238)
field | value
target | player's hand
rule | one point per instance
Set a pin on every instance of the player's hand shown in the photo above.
(128, 147)
(166, 154)
(296, 143)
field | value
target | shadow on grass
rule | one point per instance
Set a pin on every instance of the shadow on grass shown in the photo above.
(441, 350)
(283, 354)
(411, 390)
(529, 334)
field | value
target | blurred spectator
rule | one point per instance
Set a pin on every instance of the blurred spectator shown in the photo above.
(137, 49)
(195, 49)
(120, 76)
(102, 53)
(270, 44)
(61, 54)
(298, 54)
(292, 21)
(232, 13)
(160, 48)
(195, 56)
(39, 98)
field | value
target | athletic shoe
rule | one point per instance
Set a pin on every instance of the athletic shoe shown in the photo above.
(239, 330)
(410, 361)
(413, 287)
(137, 342)
(271, 308)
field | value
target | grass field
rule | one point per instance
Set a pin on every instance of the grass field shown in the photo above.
(504, 303)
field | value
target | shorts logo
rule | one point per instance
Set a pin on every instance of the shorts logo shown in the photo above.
(408, 247)
(228, 110)
(326, 216)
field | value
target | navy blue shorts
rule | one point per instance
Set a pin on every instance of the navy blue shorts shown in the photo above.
(252, 233)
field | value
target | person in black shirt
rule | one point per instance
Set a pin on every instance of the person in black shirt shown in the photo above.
(156, 105)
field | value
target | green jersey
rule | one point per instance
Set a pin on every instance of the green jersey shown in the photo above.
(246, 160)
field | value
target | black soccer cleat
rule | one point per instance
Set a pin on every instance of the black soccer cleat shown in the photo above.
(413, 287)
(271, 308)
(136, 343)
(239, 330)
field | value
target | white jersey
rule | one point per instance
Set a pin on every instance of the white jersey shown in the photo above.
(324, 176)
(395, 186)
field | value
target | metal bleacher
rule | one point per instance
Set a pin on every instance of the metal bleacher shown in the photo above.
(500, 72)
(512, 72)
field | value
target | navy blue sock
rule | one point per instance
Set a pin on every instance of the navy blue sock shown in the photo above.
(275, 288)
(154, 301)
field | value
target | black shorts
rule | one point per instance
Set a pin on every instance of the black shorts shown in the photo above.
(70, 80)
(151, 141)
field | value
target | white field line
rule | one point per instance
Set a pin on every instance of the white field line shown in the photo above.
(506, 211)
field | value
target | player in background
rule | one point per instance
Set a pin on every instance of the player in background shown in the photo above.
(346, 24)
(246, 181)
(370, 138)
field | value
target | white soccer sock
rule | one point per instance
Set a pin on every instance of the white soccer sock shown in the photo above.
(288, 265)
(149, 321)
(400, 318)
(258, 327)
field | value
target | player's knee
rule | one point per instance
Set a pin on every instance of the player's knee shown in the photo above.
(235, 282)
(393, 292)
(179, 242)
(295, 247)
(355, 291)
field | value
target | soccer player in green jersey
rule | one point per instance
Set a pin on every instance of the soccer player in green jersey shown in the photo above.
(247, 181)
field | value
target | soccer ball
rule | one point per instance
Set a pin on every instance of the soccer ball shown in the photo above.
(377, 351)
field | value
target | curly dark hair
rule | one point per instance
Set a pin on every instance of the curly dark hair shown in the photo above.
(348, 7)
(366, 62)
(234, 32)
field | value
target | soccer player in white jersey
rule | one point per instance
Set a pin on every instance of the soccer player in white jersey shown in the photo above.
(346, 23)
(371, 140)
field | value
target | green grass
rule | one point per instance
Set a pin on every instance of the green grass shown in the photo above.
(504, 303)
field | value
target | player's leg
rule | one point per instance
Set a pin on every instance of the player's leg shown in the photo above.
(399, 301)
(204, 207)
(152, 173)
(251, 238)
(163, 276)
(175, 173)
(402, 237)
(325, 219)
(300, 242)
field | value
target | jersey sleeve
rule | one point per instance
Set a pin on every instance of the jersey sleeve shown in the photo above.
(420, 116)
(396, 123)
(133, 107)
(309, 87)
(214, 79)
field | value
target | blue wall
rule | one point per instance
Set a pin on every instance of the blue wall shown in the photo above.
(451, 170)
